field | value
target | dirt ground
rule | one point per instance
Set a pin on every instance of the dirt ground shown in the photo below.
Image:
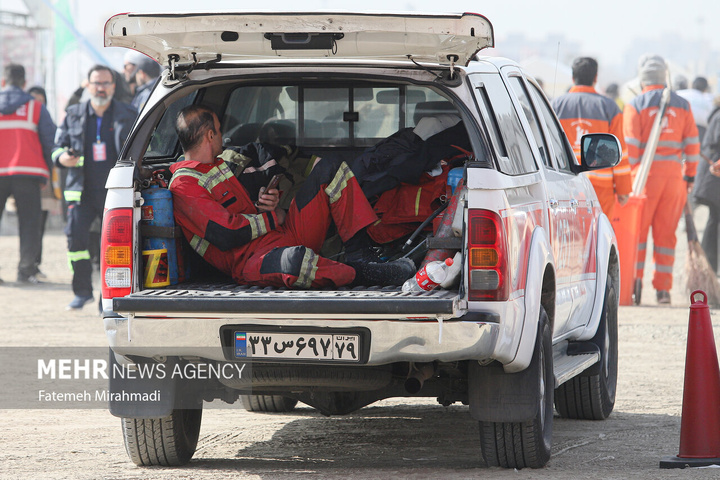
(400, 438)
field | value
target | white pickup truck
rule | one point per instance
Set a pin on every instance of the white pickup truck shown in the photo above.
(532, 322)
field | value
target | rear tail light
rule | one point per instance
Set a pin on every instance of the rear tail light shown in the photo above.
(487, 256)
(116, 252)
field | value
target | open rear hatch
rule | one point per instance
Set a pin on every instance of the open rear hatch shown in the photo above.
(207, 38)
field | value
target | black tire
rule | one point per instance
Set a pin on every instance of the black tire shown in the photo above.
(268, 403)
(168, 441)
(592, 397)
(526, 444)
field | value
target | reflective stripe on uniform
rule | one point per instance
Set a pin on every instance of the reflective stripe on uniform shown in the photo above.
(257, 225)
(215, 176)
(308, 270)
(663, 268)
(56, 153)
(600, 174)
(677, 145)
(24, 171)
(76, 257)
(188, 172)
(624, 169)
(199, 244)
(72, 195)
(339, 182)
(18, 125)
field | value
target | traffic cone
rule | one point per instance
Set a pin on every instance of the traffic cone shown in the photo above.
(700, 426)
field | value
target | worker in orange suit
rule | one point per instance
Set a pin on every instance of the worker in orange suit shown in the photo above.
(583, 110)
(672, 172)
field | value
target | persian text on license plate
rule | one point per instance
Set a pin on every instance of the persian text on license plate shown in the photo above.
(339, 348)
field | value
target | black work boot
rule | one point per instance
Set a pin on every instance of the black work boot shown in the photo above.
(384, 274)
(359, 249)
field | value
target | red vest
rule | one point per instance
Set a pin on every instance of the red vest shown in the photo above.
(21, 150)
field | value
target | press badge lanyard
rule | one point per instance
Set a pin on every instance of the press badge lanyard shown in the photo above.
(99, 150)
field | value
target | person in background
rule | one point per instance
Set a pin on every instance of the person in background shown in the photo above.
(87, 144)
(583, 110)
(707, 190)
(48, 200)
(130, 61)
(701, 102)
(672, 173)
(147, 72)
(26, 138)
(613, 92)
(680, 83)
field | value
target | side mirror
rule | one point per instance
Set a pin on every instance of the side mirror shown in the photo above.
(599, 150)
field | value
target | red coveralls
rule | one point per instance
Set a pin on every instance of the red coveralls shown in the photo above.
(224, 227)
(666, 190)
(582, 111)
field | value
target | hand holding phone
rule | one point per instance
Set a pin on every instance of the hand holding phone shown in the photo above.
(274, 181)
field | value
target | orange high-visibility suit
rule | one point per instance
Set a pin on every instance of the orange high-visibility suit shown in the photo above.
(582, 111)
(666, 188)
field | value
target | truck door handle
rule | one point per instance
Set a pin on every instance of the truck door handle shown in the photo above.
(553, 203)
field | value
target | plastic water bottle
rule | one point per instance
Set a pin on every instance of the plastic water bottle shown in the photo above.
(428, 277)
(453, 272)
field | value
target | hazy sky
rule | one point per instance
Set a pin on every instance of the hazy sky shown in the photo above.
(603, 30)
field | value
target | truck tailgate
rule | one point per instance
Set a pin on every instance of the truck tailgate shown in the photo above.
(208, 299)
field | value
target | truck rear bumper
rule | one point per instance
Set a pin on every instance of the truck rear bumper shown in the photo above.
(472, 337)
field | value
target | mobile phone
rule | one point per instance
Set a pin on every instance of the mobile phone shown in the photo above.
(274, 181)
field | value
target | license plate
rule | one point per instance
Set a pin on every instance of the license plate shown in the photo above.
(299, 346)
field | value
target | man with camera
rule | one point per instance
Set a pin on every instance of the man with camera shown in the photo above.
(88, 144)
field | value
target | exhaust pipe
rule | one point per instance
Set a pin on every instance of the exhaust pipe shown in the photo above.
(417, 376)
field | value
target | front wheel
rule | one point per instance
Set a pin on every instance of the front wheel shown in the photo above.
(526, 444)
(592, 396)
(167, 441)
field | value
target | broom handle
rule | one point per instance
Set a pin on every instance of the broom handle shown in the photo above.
(652, 143)
(692, 235)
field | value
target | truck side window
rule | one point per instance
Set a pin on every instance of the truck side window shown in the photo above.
(164, 141)
(562, 152)
(517, 85)
(506, 131)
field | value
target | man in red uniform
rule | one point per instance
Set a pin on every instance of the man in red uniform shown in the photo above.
(583, 110)
(672, 172)
(26, 138)
(259, 244)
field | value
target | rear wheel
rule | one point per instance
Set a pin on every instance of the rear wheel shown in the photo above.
(268, 403)
(592, 396)
(526, 444)
(168, 441)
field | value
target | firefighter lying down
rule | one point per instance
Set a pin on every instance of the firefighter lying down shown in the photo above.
(237, 226)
